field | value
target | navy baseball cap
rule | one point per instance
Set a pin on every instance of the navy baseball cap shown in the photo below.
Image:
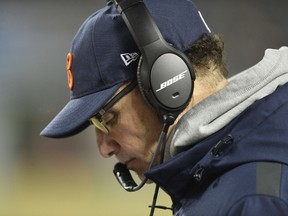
(104, 55)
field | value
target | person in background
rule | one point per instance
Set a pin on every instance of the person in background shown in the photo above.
(223, 152)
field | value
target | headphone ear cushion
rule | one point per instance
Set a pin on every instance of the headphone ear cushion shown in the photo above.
(140, 76)
(139, 68)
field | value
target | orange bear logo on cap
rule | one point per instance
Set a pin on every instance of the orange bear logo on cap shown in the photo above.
(69, 72)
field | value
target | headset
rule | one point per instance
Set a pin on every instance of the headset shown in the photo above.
(165, 76)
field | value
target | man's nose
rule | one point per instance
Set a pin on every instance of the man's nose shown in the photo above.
(106, 144)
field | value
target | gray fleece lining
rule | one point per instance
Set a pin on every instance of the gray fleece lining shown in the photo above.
(243, 89)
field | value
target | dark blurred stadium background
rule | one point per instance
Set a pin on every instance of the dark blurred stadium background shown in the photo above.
(40, 176)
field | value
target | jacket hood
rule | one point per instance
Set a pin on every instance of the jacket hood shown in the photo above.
(242, 90)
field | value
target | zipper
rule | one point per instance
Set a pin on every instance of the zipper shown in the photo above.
(221, 145)
(216, 152)
(199, 173)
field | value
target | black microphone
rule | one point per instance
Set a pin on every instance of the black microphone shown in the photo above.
(125, 178)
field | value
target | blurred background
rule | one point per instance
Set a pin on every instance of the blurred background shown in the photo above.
(49, 177)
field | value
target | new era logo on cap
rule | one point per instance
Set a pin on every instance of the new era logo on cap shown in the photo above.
(129, 57)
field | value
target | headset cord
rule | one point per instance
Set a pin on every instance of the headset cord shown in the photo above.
(160, 149)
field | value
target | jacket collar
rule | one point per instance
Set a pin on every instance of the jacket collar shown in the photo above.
(255, 135)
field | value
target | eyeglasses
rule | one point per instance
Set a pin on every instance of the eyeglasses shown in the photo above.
(98, 121)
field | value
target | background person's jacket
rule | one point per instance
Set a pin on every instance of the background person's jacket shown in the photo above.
(229, 154)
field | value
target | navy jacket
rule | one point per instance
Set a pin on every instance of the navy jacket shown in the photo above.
(240, 170)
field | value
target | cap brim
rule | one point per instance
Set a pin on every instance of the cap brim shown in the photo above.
(73, 118)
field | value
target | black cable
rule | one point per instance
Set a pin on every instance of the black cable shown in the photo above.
(160, 149)
(153, 206)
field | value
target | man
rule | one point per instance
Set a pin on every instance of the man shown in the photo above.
(226, 150)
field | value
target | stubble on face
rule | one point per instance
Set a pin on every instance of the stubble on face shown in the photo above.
(144, 129)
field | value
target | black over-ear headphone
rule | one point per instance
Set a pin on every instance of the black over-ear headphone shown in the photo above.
(165, 75)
